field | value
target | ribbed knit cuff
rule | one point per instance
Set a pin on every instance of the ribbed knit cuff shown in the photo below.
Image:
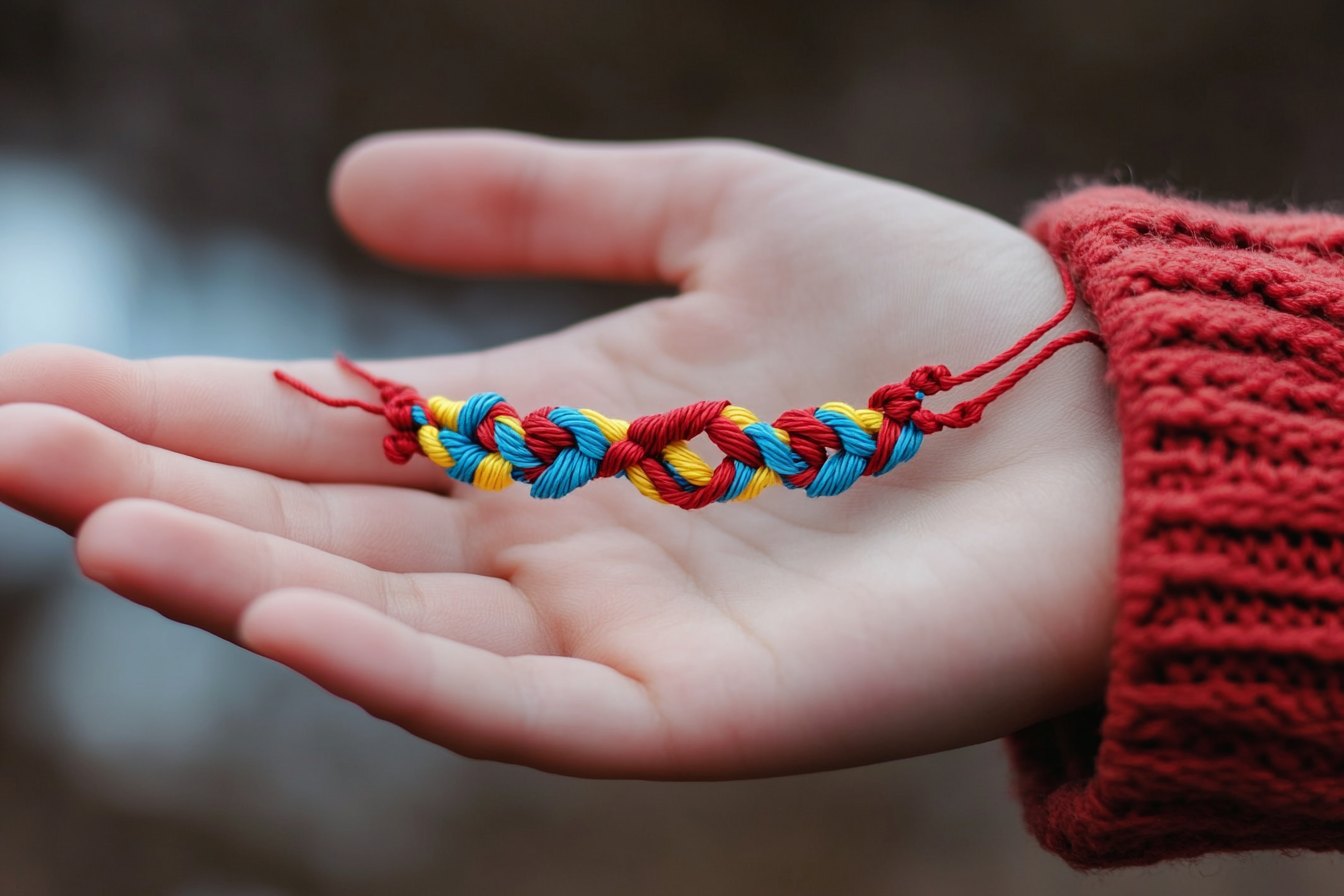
(1223, 722)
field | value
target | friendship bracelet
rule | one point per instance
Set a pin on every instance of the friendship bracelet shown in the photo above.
(822, 450)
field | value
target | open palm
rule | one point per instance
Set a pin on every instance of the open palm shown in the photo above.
(965, 594)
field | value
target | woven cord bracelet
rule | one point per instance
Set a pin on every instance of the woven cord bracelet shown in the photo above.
(823, 450)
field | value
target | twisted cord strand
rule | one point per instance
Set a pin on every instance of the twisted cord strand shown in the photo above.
(823, 450)
(1017, 348)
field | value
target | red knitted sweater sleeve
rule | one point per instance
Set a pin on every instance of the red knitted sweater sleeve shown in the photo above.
(1223, 721)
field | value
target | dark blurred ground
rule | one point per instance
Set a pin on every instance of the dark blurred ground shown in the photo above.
(225, 114)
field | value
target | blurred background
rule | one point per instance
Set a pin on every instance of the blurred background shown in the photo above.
(162, 169)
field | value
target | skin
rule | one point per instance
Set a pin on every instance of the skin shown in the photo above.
(965, 595)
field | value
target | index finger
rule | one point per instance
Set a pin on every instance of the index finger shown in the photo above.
(223, 410)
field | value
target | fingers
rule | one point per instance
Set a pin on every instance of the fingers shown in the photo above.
(234, 411)
(60, 466)
(558, 713)
(511, 204)
(204, 571)
(218, 409)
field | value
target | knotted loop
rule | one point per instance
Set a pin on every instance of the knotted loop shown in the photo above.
(399, 407)
(896, 401)
(932, 379)
(400, 447)
(968, 413)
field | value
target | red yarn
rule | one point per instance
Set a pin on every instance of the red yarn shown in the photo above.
(1223, 722)
(397, 402)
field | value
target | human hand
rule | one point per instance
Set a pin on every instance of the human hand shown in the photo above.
(964, 595)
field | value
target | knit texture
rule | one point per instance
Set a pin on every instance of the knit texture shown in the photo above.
(1223, 722)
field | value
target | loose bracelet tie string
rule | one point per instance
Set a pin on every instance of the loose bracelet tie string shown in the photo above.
(823, 450)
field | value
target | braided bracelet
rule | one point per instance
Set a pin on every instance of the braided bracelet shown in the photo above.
(822, 450)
